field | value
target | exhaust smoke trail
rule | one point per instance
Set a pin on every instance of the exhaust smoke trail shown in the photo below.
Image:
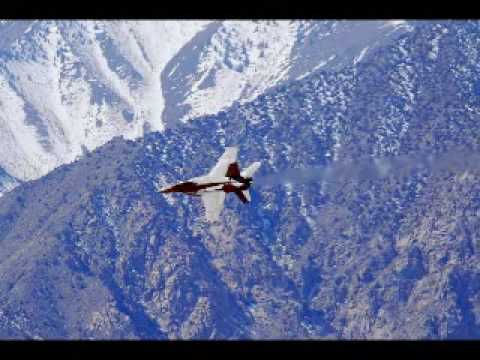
(375, 168)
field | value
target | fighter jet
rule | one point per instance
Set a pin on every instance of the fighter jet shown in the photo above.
(225, 177)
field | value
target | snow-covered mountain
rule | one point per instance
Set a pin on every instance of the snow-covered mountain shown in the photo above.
(92, 250)
(67, 87)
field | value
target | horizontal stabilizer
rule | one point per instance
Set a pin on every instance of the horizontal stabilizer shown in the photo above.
(241, 196)
(248, 172)
(246, 193)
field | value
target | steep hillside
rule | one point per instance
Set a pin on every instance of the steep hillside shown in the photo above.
(92, 250)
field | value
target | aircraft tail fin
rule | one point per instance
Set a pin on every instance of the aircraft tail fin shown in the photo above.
(248, 172)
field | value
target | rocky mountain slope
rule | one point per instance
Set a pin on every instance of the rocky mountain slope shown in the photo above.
(92, 250)
(7, 182)
(70, 86)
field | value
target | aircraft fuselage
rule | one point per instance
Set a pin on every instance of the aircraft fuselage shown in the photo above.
(194, 188)
(223, 178)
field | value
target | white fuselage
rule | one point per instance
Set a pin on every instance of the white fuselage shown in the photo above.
(223, 181)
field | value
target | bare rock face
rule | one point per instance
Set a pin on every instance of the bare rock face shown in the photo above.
(93, 250)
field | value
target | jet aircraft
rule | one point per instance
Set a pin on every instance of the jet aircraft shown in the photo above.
(225, 177)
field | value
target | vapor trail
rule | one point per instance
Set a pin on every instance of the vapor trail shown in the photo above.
(376, 168)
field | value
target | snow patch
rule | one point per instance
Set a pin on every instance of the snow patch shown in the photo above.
(360, 56)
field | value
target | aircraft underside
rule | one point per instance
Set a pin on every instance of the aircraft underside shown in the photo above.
(225, 177)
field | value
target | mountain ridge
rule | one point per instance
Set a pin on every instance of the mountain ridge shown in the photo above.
(92, 250)
(70, 86)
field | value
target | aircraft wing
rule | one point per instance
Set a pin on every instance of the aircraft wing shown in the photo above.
(213, 204)
(221, 167)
